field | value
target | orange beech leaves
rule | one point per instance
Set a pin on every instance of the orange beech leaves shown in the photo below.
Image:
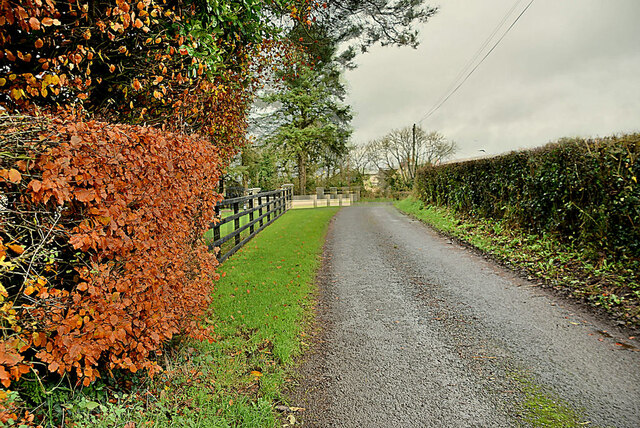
(102, 214)
(136, 61)
(61, 51)
(131, 205)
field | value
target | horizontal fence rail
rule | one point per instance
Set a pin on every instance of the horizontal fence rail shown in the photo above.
(262, 209)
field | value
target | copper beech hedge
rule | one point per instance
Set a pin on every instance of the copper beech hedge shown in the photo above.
(101, 250)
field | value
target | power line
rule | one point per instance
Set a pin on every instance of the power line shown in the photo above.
(438, 105)
(469, 63)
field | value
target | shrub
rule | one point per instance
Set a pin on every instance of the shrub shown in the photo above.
(101, 244)
(586, 191)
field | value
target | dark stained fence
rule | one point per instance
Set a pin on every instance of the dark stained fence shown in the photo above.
(262, 209)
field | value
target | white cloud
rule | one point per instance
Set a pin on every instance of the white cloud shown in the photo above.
(567, 68)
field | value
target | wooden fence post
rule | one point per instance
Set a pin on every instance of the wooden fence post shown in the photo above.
(283, 201)
(268, 209)
(251, 215)
(236, 222)
(288, 196)
(216, 227)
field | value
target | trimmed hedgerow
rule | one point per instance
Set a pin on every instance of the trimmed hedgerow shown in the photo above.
(584, 190)
(101, 249)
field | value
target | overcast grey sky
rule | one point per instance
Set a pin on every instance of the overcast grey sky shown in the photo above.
(567, 68)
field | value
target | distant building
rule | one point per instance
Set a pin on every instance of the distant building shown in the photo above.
(371, 181)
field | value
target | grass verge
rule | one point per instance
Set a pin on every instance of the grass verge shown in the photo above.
(259, 311)
(612, 285)
(540, 409)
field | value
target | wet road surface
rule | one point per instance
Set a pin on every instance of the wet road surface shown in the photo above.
(420, 332)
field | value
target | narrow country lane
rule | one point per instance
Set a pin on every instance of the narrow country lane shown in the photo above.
(420, 332)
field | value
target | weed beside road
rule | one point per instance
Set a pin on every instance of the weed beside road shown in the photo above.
(612, 285)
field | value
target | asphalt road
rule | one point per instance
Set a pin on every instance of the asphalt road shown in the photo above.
(417, 331)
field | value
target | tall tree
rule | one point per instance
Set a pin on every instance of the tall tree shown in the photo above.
(356, 25)
(313, 121)
(359, 158)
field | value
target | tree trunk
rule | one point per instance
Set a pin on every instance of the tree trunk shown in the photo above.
(245, 174)
(302, 174)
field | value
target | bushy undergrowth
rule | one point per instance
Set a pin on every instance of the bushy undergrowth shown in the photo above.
(586, 192)
(101, 256)
(611, 284)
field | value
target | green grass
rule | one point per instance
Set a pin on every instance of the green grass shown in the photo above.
(439, 218)
(227, 228)
(612, 285)
(543, 408)
(261, 307)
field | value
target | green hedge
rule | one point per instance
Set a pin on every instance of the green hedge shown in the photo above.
(586, 191)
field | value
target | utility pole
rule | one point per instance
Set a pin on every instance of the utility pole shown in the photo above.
(413, 155)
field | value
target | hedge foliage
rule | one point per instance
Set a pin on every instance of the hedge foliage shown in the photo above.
(101, 249)
(586, 191)
(101, 257)
(133, 61)
(116, 118)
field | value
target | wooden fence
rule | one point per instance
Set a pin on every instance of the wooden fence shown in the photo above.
(262, 209)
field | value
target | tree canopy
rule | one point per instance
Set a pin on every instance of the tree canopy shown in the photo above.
(308, 133)
(405, 150)
(356, 25)
(312, 120)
